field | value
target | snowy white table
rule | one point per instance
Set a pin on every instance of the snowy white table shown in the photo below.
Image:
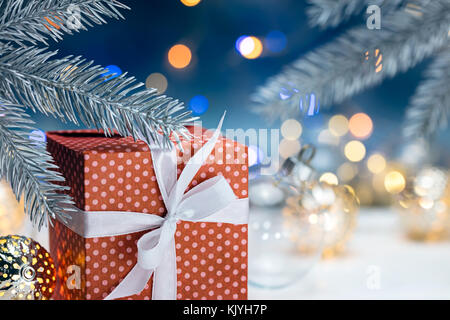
(381, 263)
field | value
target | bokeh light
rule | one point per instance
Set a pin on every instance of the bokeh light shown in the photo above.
(325, 137)
(329, 178)
(376, 163)
(355, 151)
(199, 104)
(394, 182)
(338, 125)
(289, 148)
(190, 3)
(291, 129)
(38, 135)
(347, 171)
(112, 70)
(179, 56)
(157, 81)
(275, 41)
(360, 125)
(255, 155)
(249, 47)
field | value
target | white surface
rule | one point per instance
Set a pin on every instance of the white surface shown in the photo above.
(380, 263)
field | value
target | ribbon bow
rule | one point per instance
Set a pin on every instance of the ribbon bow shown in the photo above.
(210, 201)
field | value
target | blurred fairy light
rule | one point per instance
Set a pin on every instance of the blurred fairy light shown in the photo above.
(376, 163)
(329, 178)
(38, 136)
(360, 125)
(289, 148)
(275, 41)
(249, 47)
(199, 104)
(255, 155)
(112, 70)
(347, 171)
(157, 81)
(325, 137)
(291, 129)
(179, 56)
(355, 151)
(338, 125)
(394, 182)
(314, 105)
(190, 3)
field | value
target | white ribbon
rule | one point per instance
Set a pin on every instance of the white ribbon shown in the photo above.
(210, 201)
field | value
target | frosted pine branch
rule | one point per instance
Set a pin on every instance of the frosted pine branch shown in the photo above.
(338, 70)
(27, 166)
(35, 20)
(73, 89)
(430, 106)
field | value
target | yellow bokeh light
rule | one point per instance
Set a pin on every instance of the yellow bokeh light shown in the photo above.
(329, 178)
(190, 3)
(347, 171)
(360, 125)
(157, 81)
(376, 163)
(394, 182)
(355, 151)
(251, 47)
(338, 125)
(289, 148)
(291, 129)
(179, 56)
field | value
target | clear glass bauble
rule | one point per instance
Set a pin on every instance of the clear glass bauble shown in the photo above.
(322, 217)
(424, 205)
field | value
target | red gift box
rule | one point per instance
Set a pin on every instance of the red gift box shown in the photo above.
(117, 174)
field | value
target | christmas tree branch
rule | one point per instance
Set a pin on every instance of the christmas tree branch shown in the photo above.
(331, 13)
(339, 70)
(430, 106)
(35, 20)
(73, 89)
(27, 166)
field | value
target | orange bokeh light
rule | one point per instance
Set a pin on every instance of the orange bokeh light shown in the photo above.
(179, 56)
(360, 125)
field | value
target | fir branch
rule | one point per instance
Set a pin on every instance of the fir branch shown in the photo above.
(338, 70)
(331, 13)
(27, 166)
(35, 20)
(72, 88)
(429, 108)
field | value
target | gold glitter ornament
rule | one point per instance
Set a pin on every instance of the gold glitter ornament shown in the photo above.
(27, 271)
(323, 214)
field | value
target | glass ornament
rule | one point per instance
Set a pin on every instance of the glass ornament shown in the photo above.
(274, 261)
(27, 271)
(424, 205)
(323, 212)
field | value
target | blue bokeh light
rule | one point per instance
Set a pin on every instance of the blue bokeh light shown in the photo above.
(38, 136)
(275, 41)
(112, 69)
(199, 104)
(238, 43)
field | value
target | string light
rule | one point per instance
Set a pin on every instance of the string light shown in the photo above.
(355, 151)
(376, 163)
(190, 3)
(157, 81)
(329, 178)
(360, 125)
(179, 56)
(291, 129)
(394, 182)
(338, 125)
(199, 104)
(289, 148)
(249, 47)
(347, 171)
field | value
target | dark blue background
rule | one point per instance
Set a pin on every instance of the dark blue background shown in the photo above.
(140, 44)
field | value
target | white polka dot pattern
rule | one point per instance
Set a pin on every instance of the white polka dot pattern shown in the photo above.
(117, 174)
